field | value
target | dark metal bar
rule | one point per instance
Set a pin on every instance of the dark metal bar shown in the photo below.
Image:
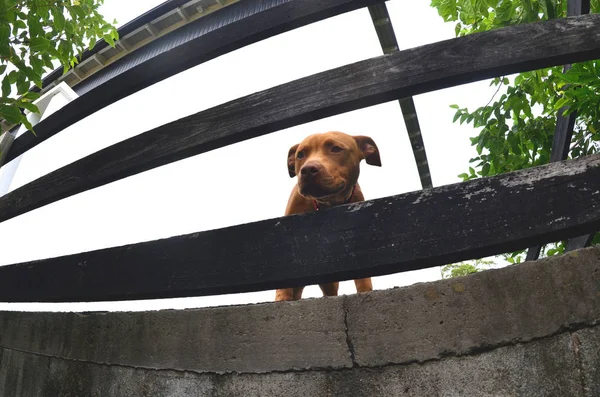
(6, 140)
(579, 242)
(387, 39)
(533, 253)
(578, 7)
(564, 126)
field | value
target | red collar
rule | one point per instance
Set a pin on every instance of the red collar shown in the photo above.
(316, 205)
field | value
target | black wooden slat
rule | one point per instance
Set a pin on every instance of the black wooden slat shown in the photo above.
(411, 231)
(564, 125)
(365, 83)
(387, 39)
(288, 15)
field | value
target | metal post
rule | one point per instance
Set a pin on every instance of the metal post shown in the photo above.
(387, 39)
(563, 135)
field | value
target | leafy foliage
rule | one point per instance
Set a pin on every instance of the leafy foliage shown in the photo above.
(517, 128)
(464, 268)
(35, 36)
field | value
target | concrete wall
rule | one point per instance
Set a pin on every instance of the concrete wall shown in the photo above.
(526, 330)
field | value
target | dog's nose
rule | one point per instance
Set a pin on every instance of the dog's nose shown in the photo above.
(310, 169)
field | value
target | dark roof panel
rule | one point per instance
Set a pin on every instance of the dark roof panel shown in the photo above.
(186, 33)
(124, 30)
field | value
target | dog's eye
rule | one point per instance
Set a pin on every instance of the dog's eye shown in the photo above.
(336, 149)
(300, 155)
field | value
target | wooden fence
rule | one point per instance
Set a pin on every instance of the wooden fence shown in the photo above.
(389, 235)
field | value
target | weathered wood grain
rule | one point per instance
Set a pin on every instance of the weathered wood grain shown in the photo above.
(410, 231)
(362, 84)
(197, 47)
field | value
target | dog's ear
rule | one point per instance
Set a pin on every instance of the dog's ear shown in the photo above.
(369, 149)
(291, 161)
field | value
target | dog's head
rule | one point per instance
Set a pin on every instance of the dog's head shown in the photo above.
(328, 164)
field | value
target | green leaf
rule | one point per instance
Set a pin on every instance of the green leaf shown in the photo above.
(109, 39)
(29, 106)
(20, 24)
(39, 44)
(28, 125)
(36, 28)
(560, 103)
(4, 32)
(37, 64)
(13, 76)
(47, 61)
(11, 113)
(59, 18)
(456, 116)
(22, 85)
(4, 50)
(485, 170)
(31, 96)
(69, 27)
(5, 86)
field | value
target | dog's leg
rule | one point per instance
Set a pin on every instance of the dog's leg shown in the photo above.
(288, 294)
(363, 285)
(298, 293)
(330, 289)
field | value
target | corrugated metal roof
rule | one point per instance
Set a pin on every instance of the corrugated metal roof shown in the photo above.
(135, 34)
(163, 44)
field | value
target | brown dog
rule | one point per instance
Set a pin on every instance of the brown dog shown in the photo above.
(327, 166)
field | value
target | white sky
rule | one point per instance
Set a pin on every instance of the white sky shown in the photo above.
(181, 198)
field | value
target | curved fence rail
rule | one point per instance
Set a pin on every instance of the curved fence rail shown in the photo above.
(389, 235)
(370, 82)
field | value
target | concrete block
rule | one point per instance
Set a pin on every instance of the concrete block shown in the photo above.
(537, 369)
(545, 367)
(462, 315)
(251, 338)
(587, 348)
(28, 375)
